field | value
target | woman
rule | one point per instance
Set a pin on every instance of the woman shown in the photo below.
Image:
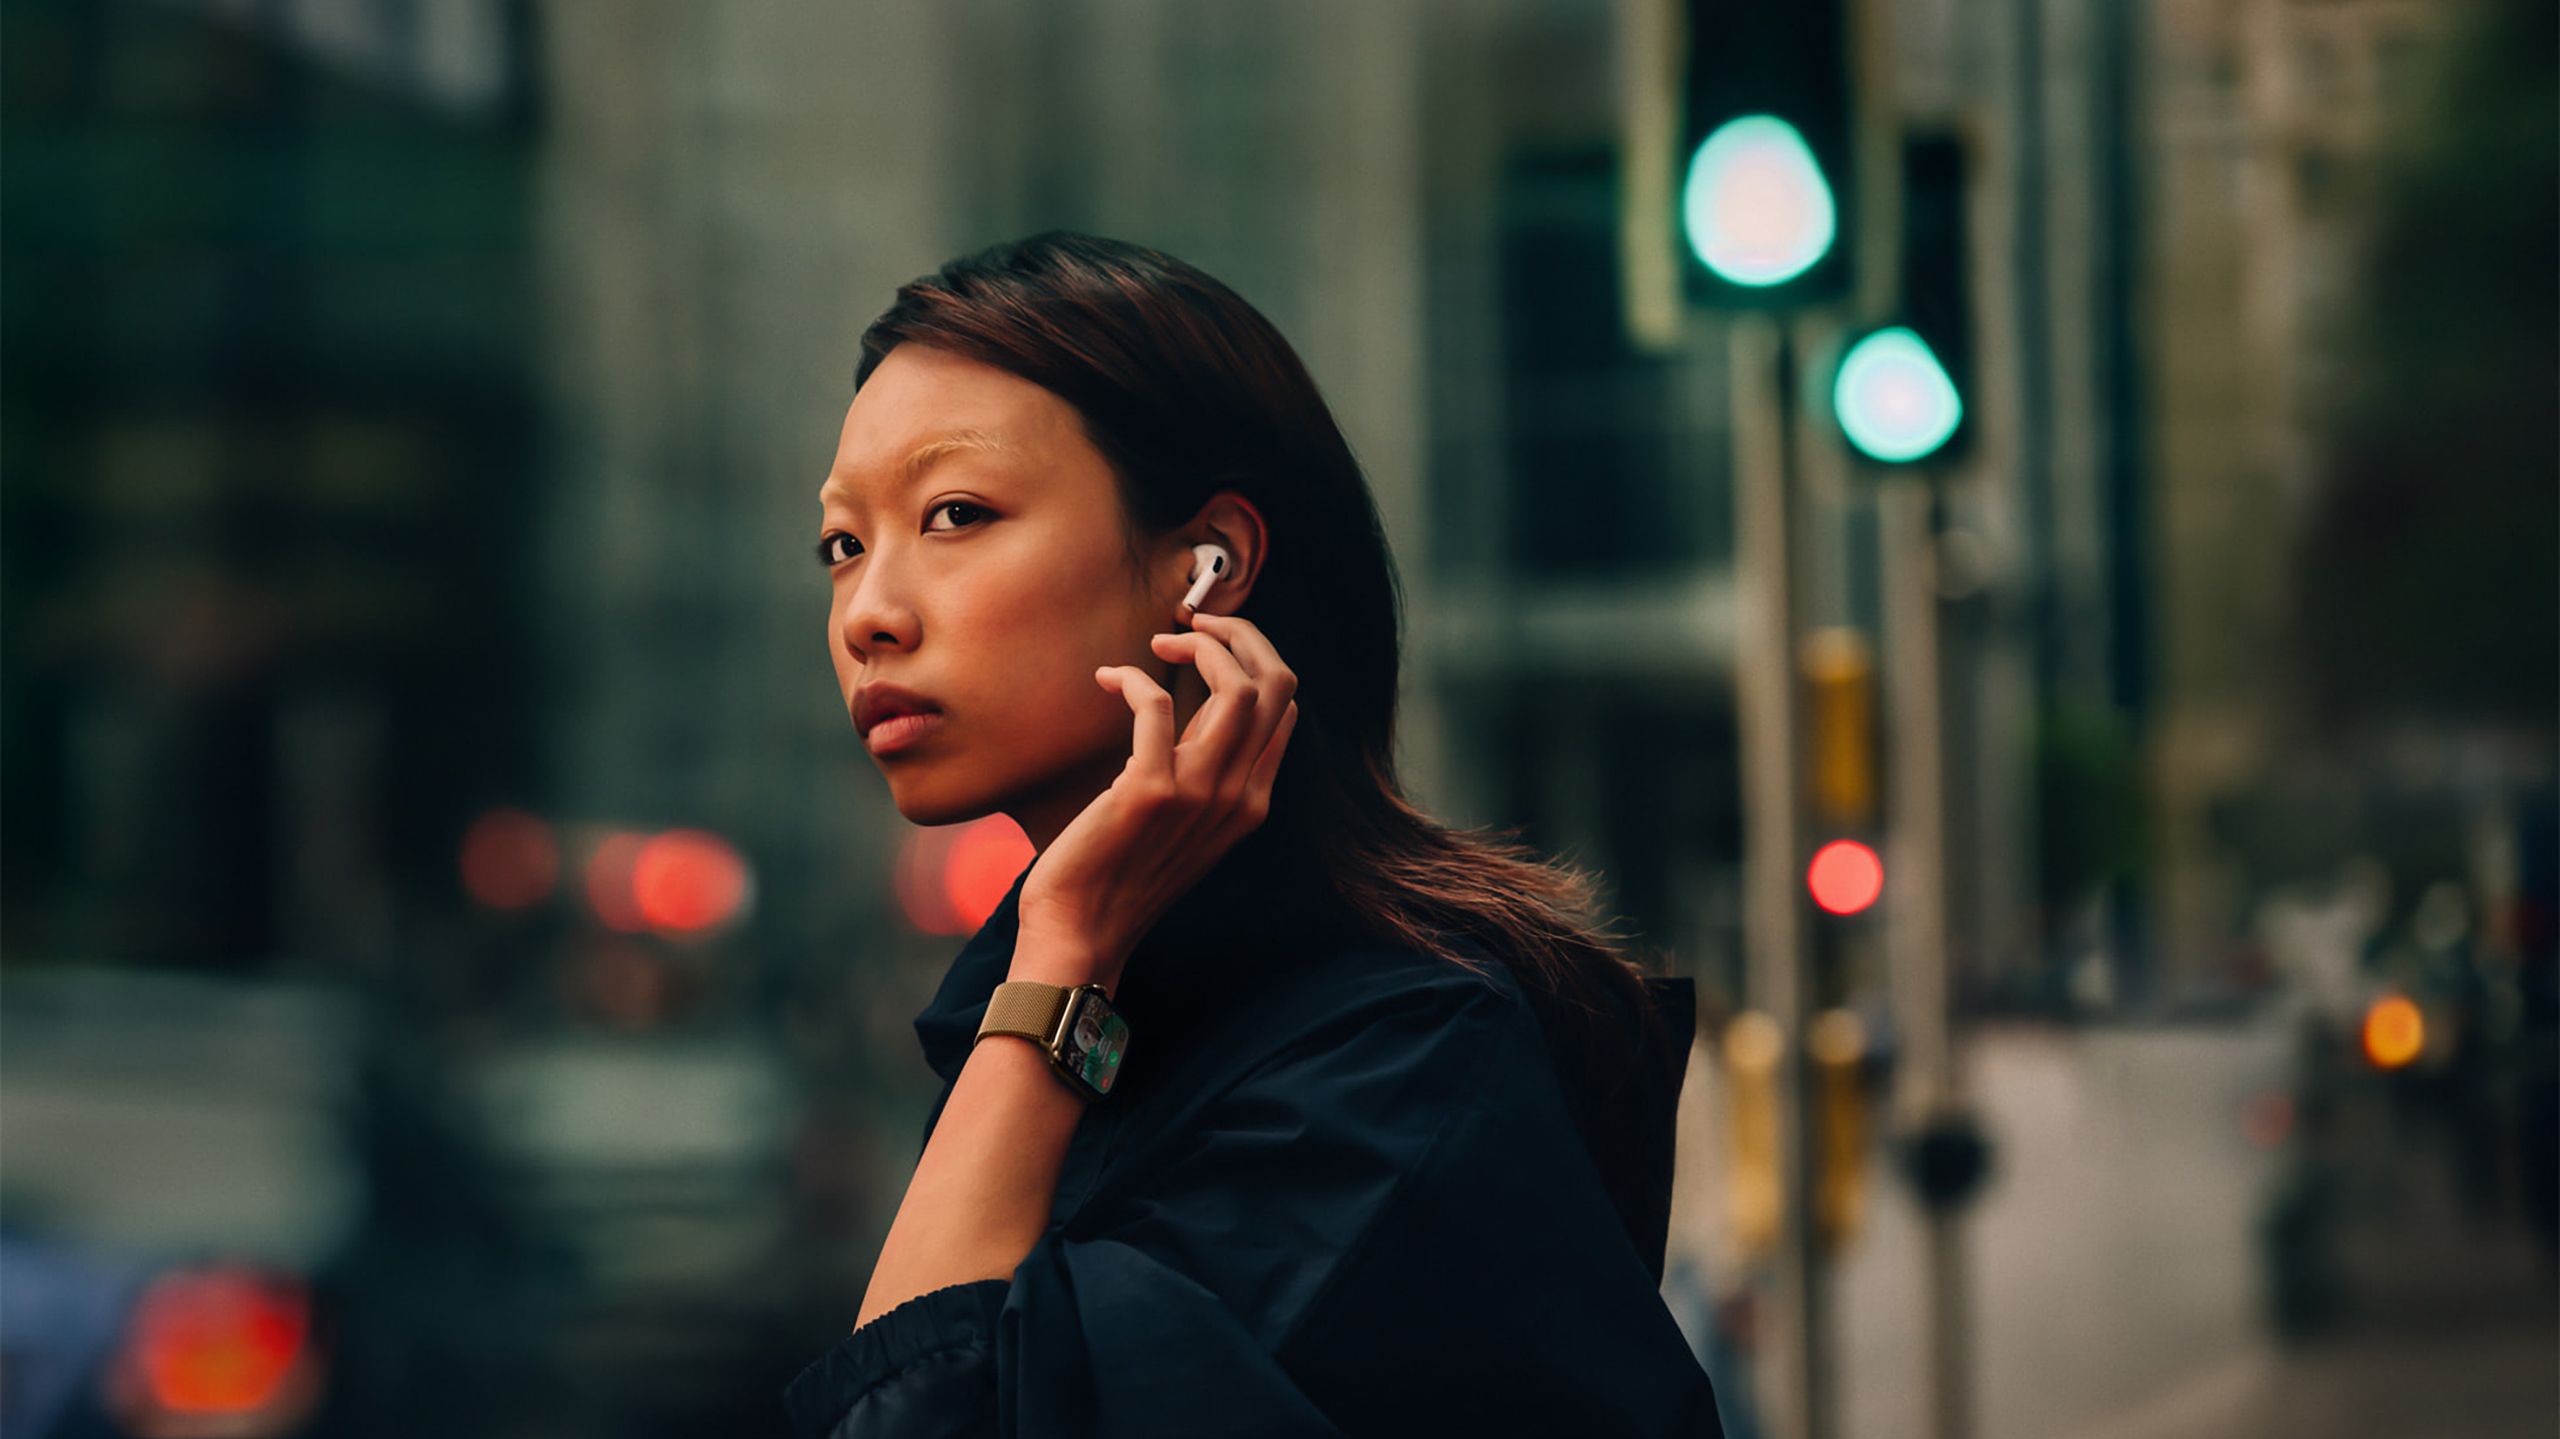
(1390, 1151)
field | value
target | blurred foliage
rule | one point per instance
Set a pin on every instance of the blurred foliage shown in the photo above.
(2427, 567)
(2088, 780)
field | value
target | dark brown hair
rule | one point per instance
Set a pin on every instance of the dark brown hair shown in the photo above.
(1187, 390)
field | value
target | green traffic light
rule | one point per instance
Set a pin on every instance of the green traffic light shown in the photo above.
(1893, 398)
(1756, 207)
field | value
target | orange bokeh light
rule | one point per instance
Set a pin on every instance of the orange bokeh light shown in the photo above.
(688, 880)
(2394, 1032)
(509, 860)
(1845, 876)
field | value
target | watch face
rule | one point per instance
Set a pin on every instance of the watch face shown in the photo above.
(1093, 1044)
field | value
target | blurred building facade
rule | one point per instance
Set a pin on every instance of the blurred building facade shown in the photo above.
(270, 447)
(2270, 127)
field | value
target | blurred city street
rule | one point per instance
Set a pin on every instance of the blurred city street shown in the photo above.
(2012, 544)
(2119, 1244)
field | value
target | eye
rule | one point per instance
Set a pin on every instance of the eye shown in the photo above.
(948, 505)
(829, 557)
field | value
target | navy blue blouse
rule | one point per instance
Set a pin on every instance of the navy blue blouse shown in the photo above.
(1337, 1189)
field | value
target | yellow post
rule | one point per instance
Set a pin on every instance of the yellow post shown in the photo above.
(1752, 1050)
(1839, 1048)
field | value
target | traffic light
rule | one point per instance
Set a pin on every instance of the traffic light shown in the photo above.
(1762, 192)
(1900, 391)
(1894, 398)
(1840, 693)
(1844, 875)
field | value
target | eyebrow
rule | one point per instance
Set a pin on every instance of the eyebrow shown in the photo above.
(922, 458)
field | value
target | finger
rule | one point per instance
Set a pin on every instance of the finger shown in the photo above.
(1266, 769)
(1220, 733)
(1151, 740)
(1252, 648)
(1217, 663)
(1277, 682)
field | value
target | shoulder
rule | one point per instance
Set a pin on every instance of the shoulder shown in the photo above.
(1363, 979)
(1361, 1005)
(1379, 1035)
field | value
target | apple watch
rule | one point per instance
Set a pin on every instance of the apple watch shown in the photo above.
(1074, 1025)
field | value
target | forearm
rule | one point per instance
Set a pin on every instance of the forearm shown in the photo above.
(982, 1191)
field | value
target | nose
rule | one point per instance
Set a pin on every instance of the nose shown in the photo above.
(873, 613)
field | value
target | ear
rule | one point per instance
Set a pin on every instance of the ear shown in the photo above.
(1231, 522)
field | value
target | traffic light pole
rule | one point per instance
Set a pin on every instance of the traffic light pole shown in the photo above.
(1930, 1088)
(1769, 715)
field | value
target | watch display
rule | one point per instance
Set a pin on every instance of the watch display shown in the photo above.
(1091, 1042)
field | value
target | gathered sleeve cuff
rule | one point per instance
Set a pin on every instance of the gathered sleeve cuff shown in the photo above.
(924, 1368)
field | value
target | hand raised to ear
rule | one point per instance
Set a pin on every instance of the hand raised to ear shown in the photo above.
(1176, 808)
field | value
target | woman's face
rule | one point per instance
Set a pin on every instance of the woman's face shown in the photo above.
(974, 548)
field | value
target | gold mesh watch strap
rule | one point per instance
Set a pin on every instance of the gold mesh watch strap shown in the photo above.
(1025, 1007)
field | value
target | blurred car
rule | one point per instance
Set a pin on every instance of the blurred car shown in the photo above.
(2420, 1101)
(209, 1187)
(174, 1181)
(674, 1294)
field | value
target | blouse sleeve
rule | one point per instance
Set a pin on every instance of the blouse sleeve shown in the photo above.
(1164, 1304)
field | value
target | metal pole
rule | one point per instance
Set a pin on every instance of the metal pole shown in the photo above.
(1916, 929)
(1769, 716)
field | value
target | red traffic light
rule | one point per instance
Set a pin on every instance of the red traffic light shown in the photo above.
(1845, 876)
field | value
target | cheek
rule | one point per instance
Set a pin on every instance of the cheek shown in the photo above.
(1041, 654)
(1067, 620)
(1042, 642)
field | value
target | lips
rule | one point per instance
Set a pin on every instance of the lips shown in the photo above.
(900, 732)
(874, 703)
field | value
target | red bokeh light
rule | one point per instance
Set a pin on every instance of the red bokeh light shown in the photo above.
(985, 860)
(219, 1341)
(1845, 876)
(950, 878)
(610, 888)
(688, 880)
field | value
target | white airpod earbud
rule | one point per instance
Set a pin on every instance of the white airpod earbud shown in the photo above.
(1208, 566)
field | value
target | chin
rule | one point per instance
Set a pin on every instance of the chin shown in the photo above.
(931, 810)
(920, 801)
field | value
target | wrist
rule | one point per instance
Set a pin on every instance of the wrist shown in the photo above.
(1075, 1029)
(1052, 958)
